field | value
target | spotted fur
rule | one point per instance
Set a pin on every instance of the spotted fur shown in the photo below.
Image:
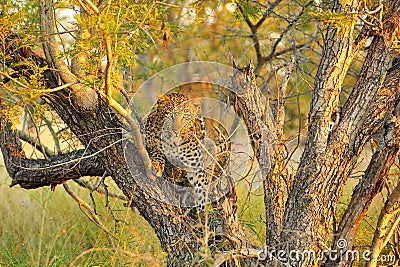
(174, 141)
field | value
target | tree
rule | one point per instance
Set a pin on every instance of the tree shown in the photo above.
(300, 205)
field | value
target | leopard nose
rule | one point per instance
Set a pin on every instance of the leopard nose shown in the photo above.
(177, 127)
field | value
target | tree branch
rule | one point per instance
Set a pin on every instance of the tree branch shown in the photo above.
(319, 181)
(283, 32)
(33, 141)
(368, 83)
(84, 98)
(248, 103)
(373, 180)
(390, 214)
(34, 173)
(267, 13)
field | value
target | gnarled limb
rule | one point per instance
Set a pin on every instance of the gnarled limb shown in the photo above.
(101, 132)
(330, 156)
(34, 173)
(389, 219)
(374, 178)
(247, 102)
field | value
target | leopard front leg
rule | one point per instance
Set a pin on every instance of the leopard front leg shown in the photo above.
(157, 159)
(200, 184)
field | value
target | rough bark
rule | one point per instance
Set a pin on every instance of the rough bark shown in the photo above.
(374, 178)
(100, 131)
(248, 103)
(330, 156)
(389, 219)
(306, 225)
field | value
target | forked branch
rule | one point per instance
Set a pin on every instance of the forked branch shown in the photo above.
(34, 173)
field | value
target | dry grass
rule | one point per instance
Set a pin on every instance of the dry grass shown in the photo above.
(44, 228)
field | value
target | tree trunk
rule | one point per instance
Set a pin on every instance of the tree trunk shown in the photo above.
(331, 154)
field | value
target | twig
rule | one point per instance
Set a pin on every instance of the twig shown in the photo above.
(92, 6)
(235, 254)
(77, 160)
(134, 256)
(130, 104)
(53, 134)
(94, 188)
(108, 84)
(13, 79)
(86, 185)
(93, 216)
(137, 136)
(108, 203)
(52, 90)
(35, 143)
(39, 142)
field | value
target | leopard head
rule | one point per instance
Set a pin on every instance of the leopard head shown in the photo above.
(182, 116)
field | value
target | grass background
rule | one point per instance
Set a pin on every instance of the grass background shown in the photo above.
(44, 228)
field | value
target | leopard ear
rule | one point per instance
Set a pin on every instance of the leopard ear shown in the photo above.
(197, 106)
(164, 98)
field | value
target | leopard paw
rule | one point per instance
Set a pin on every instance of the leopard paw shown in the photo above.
(157, 168)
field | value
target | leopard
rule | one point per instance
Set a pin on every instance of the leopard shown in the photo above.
(174, 138)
